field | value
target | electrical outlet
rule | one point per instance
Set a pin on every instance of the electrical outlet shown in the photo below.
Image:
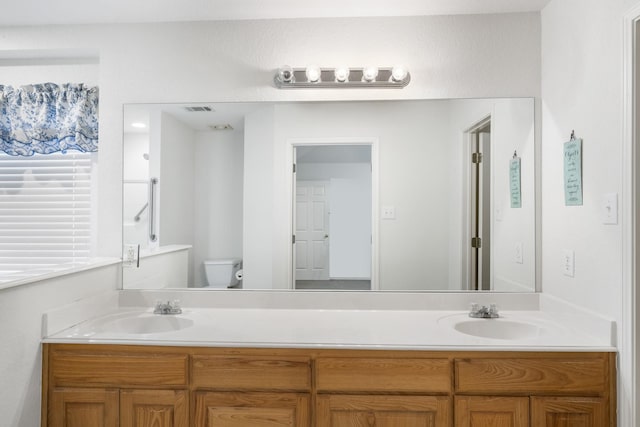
(568, 262)
(388, 212)
(130, 255)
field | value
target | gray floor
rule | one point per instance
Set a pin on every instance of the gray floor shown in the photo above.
(346, 285)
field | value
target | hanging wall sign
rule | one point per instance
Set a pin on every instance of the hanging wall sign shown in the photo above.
(573, 172)
(514, 182)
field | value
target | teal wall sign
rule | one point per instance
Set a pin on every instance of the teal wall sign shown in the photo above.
(514, 182)
(573, 172)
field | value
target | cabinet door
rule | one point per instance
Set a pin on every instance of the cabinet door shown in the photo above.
(383, 411)
(220, 409)
(568, 412)
(153, 408)
(82, 408)
(484, 411)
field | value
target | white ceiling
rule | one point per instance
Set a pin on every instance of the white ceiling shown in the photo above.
(39, 12)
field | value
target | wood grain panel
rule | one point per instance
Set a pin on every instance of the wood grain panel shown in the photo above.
(251, 373)
(229, 409)
(481, 411)
(531, 376)
(569, 412)
(383, 411)
(154, 408)
(383, 375)
(118, 370)
(83, 408)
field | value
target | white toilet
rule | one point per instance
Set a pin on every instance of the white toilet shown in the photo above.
(221, 273)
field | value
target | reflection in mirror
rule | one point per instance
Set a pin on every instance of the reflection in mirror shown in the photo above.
(386, 195)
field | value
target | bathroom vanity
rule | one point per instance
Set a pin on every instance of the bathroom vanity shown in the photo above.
(144, 386)
(259, 366)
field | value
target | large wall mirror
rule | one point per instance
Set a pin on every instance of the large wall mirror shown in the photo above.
(418, 195)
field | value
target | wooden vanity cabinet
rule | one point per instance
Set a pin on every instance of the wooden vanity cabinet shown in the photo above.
(554, 389)
(253, 389)
(383, 391)
(111, 386)
(83, 407)
(146, 386)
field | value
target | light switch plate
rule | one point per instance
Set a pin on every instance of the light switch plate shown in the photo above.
(610, 208)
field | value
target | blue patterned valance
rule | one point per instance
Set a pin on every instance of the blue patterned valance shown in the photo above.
(48, 118)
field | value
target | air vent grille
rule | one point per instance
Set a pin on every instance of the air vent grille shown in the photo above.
(194, 109)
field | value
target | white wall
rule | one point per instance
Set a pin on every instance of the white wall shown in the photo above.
(582, 90)
(457, 56)
(257, 217)
(581, 84)
(219, 158)
(175, 205)
(136, 189)
(21, 310)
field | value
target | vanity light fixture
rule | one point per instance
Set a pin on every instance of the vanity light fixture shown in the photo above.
(369, 74)
(341, 74)
(399, 73)
(341, 77)
(313, 74)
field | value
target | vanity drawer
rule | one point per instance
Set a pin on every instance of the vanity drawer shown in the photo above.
(251, 373)
(383, 375)
(531, 376)
(118, 370)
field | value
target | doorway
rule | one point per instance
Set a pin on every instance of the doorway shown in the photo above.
(478, 199)
(332, 204)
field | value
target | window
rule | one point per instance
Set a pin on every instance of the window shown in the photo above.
(48, 146)
(45, 213)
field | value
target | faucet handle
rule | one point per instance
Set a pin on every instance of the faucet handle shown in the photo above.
(493, 310)
(474, 307)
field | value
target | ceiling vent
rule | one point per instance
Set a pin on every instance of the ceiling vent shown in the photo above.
(225, 126)
(197, 109)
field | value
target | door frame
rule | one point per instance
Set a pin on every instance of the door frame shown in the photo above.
(628, 339)
(373, 142)
(467, 140)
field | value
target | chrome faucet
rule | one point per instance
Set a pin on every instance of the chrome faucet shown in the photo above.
(169, 307)
(484, 312)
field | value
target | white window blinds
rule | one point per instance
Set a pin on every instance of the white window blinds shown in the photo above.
(45, 213)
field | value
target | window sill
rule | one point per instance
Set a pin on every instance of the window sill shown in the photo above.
(58, 272)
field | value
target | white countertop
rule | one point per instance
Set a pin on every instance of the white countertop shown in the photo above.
(327, 328)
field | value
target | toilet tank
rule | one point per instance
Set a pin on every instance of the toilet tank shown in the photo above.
(221, 273)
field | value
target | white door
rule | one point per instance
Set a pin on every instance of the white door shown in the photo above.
(312, 230)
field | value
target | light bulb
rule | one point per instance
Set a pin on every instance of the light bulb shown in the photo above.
(369, 74)
(285, 74)
(399, 73)
(313, 73)
(342, 74)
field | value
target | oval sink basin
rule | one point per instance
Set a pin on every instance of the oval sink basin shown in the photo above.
(498, 329)
(145, 324)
